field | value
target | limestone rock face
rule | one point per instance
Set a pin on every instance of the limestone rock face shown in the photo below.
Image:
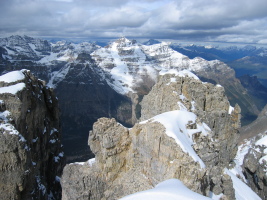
(236, 93)
(31, 157)
(136, 159)
(207, 101)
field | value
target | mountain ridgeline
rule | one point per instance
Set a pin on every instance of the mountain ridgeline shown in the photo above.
(245, 60)
(92, 81)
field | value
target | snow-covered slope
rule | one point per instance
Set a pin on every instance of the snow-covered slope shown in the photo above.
(68, 52)
(171, 189)
(174, 189)
(242, 191)
(125, 63)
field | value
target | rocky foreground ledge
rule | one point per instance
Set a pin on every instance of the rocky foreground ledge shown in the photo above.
(188, 132)
(31, 156)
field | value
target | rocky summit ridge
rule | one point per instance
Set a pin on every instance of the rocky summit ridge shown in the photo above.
(188, 131)
(31, 153)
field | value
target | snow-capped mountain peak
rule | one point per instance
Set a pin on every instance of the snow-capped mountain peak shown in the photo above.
(127, 63)
(25, 48)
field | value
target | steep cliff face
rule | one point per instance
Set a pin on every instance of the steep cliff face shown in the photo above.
(251, 159)
(256, 127)
(24, 47)
(189, 132)
(250, 164)
(30, 151)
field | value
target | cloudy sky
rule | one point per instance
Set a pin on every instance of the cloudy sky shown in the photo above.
(233, 21)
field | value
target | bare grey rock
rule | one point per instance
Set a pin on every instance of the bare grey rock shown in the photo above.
(254, 165)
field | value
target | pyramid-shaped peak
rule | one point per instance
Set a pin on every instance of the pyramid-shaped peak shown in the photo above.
(151, 42)
(125, 41)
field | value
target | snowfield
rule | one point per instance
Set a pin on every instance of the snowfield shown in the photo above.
(172, 189)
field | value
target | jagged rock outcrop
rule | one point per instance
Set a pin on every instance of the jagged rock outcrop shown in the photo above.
(255, 167)
(251, 159)
(234, 90)
(31, 156)
(195, 148)
(209, 102)
(251, 163)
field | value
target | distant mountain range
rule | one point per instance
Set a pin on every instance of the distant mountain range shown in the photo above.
(247, 60)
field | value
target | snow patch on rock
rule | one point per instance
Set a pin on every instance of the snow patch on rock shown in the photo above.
(12, 77)
(176, 123)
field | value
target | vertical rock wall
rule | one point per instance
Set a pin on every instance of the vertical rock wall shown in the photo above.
(30, 151)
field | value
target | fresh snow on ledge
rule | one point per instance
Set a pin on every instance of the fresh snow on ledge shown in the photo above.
(12, 77)
(13, 89)
(90, 162)
(182, 73)
(263, 142)
(171, 189)
(175, 123)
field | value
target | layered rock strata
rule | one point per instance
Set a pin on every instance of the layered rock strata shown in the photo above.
(194, 148)
(31, 156)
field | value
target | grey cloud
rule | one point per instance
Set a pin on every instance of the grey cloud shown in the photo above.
(224, 20)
